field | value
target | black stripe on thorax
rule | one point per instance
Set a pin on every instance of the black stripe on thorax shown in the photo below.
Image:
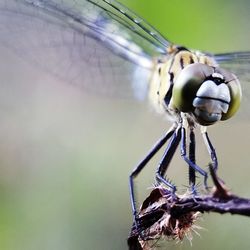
(168, 95)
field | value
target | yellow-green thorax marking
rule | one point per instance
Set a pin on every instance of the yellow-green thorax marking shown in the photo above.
(191, 82)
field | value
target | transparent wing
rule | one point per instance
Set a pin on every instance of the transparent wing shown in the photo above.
(97, 44)
(239, 64)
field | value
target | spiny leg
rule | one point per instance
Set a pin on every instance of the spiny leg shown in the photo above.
(210, 148)
(166, 159)
(191, 172)
(189, 162)
(143, 163)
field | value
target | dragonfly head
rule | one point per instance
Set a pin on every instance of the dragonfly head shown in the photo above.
(209, 93)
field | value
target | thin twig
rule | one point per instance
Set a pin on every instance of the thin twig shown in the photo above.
(162, 214)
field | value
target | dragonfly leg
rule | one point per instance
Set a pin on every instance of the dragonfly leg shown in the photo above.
(143, 163)
(191, 171)
(189, 162)
(166, 159)
(211, 150)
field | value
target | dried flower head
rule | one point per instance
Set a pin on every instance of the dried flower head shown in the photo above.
(157, 221)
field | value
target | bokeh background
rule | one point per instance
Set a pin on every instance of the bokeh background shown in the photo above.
(65, 155)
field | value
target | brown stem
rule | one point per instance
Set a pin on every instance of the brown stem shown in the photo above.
(162, 214)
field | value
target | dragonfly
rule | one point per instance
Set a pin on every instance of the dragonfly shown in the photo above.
(102, 46)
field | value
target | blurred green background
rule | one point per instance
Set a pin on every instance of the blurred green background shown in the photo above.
(65, 155)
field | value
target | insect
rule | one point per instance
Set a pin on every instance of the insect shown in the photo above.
(121, 53)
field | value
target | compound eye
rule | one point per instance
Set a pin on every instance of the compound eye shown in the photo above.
(234, 87)
(187, 84)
